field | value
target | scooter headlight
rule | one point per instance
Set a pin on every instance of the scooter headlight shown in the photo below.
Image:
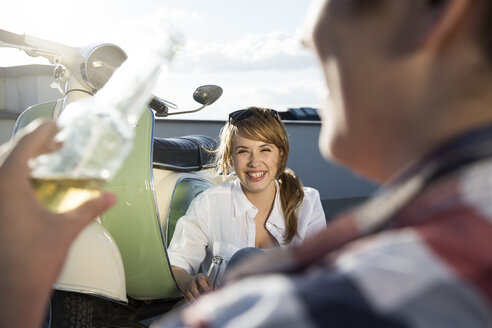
(100, 63)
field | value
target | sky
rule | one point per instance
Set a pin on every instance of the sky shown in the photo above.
(251, 48)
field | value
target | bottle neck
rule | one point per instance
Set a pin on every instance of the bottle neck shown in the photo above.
(130, 88)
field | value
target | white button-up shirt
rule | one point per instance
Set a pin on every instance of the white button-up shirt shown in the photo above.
(220, 221)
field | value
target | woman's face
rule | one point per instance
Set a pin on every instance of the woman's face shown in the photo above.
(255, 164)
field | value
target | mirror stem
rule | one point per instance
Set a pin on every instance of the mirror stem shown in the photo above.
(184, 112)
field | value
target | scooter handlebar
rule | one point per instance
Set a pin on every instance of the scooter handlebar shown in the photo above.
(12, 38)
(33, 46)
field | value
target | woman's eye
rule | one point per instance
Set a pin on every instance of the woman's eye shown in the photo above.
(266, 149)
(241, 151)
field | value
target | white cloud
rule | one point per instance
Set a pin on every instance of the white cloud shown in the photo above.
(260, 52)
(270, 69)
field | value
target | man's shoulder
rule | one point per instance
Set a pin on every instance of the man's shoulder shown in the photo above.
(468, 188)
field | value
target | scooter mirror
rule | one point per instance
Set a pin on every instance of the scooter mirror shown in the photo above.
(207, 94)
(204, 95)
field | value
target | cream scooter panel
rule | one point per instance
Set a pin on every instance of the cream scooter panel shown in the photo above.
(94, 266)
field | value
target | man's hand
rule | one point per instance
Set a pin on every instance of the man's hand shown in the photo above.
(33, 241)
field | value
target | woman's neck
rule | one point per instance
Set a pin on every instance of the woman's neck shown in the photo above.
(264, 200)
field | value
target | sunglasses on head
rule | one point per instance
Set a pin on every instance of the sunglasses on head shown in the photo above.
(242, 114)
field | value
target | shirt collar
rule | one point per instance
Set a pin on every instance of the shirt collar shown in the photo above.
(241, 202)
(243, 205)
(470, 144)
(277, 215)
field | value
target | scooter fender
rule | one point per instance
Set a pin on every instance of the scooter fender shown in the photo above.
(94, 266)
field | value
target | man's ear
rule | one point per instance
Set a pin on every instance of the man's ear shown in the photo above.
(450, 14)
(430, 24)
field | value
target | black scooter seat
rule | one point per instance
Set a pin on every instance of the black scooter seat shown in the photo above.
(188, 153)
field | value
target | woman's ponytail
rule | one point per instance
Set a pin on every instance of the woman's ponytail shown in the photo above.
(291, 196)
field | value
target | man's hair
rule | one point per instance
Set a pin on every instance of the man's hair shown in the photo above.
(365, 6)
(485, 28)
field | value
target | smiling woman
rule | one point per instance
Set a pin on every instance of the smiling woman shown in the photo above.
(253, 138)
(264, 207)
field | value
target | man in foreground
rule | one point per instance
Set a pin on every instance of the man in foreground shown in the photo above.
(410, 107)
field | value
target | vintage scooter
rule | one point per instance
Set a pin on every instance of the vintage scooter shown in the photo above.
(117, 272)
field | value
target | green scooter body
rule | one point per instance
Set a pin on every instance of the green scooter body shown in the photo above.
(134, 223)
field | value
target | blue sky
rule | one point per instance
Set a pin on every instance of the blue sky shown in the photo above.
(250, 48)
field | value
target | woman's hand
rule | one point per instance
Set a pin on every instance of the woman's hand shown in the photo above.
(192, 286)
(199, 285)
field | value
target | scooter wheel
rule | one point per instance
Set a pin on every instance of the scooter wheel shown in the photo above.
(68, 310)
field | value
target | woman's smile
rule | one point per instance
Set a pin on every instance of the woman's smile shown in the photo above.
(256, 164)
(256, 175)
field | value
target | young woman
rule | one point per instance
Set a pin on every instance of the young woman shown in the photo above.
(265, 207)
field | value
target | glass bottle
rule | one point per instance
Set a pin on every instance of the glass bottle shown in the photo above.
(98, 131)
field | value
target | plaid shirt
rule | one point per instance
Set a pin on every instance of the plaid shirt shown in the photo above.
(416, 255)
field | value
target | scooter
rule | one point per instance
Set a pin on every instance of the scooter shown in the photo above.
(117, 273)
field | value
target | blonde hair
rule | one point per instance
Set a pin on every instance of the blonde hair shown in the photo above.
(263, 124)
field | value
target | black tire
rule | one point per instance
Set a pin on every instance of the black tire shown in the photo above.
(68, 310)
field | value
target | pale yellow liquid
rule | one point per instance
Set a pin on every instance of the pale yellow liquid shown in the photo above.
(63, 194)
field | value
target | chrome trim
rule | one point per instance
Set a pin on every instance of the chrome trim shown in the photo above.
(14, 130)
(163, 237)
(169, 208)
(152, 172)
(174, 167)
(181, 168)
(60, 104)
